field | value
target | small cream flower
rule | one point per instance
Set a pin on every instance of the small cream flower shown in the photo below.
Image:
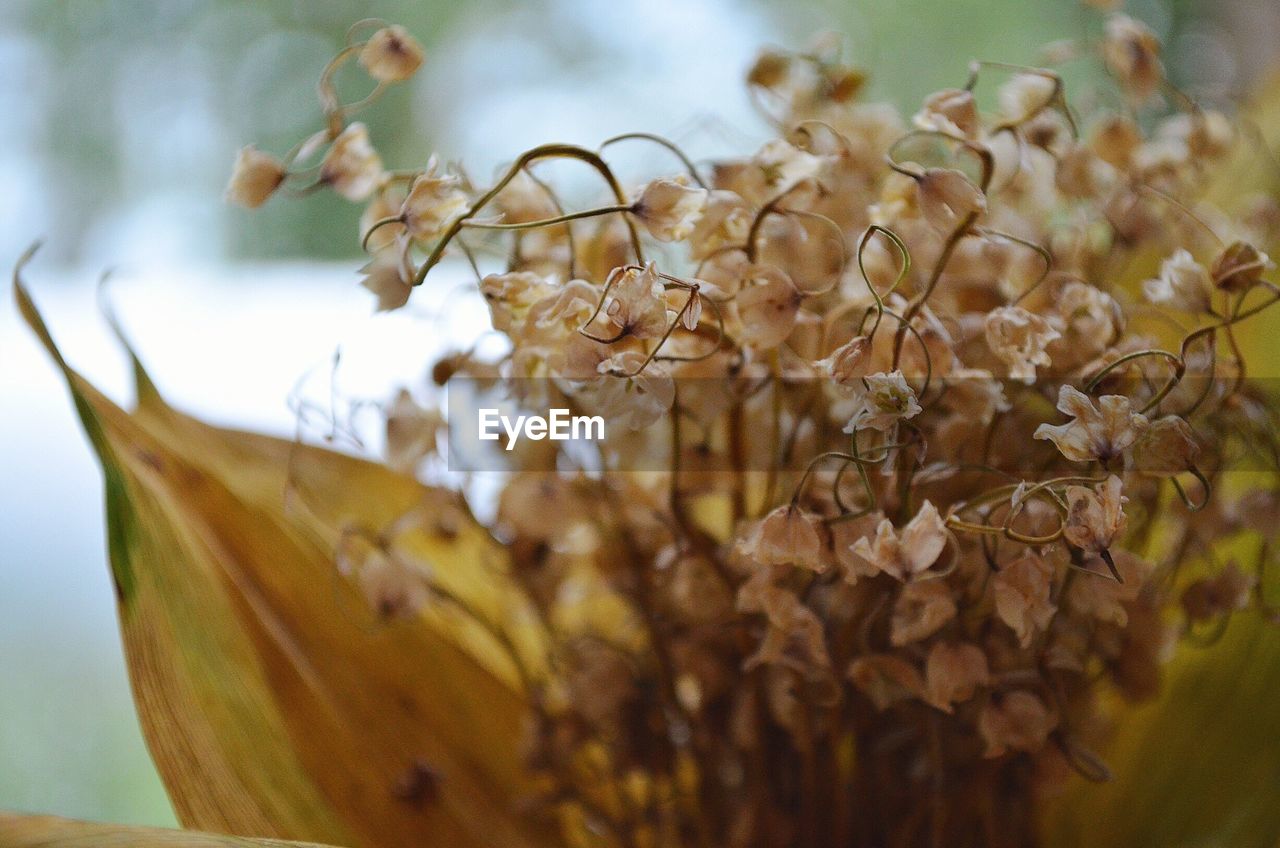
(953, 673)
(670, 208)
(434, 202)
(1240, 266)
(920, 611)
(911, 553)
(411, 431)
(1132, 53)
(391, 54)
(1183, 283)
(847, 364)
(254, 178)
(1023, 589)
(1024, 95)
(948, 198)
(726, 220)
(1095, 517)
(1099, 432)
(1227, 591)
(887, 399)
(786, 536)
(952, 111)
(1166, 448)
(1018, 721)
(634, 401)
(886, 679)
(1018, 338)
(389, 276)
(767, 306)
(511, 295)
(351, 166)
(637, 303)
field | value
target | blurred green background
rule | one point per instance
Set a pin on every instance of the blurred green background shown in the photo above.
(122, 118)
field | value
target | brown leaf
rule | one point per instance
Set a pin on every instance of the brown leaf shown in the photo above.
(274, 703)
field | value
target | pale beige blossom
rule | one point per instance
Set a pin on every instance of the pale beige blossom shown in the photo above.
(952, 111)
(1017, 721)
(391, 54)
(1023, 591)
(906, 555)
(953, 674)
(1183, 283)
(922, 609)
(886, 679)
(1019, 338)
(255, 177)
(1132, 53)
(637, 303)
(389, 276)
(1095, 517)
(433, 203)
(767, 306)
(788, 535)
(1096, 432)
(351, 167)
(1166, 448)
(948, 198)
(848, 363)
(886, 399)
(670, 208)
(411, 432)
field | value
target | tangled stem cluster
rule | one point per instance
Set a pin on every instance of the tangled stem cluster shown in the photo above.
(941, 465)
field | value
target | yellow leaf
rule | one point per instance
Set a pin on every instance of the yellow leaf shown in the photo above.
(48, 832)
(1200, 766)
(273, 702)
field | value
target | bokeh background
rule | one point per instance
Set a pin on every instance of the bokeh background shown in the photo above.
(120, 120)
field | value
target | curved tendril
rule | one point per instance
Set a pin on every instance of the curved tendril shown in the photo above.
(664, 142)
(720, 333)
(377, 225)
(1204, 484)
(546, 151)
(1178, 364)
(862, 268)
(548, 222)
(983, 155)
(905, 327)
(1040, 249)
(363, 23)
(918, 303)
(1184, 209)
(768, 209)
(1057, 99)
(559, 207)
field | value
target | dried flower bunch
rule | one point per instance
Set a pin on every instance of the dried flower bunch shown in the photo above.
(948, 407)
(914, 632)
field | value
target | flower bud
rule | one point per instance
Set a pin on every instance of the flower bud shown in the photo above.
(1132, 53)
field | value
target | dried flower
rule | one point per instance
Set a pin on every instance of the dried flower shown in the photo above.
(886, 400)
(1100, 432)
(948, 198)
(389, 276)
(1095, 516)
(1023, 592)
(391, 54)
(670, 208)
(351, 166)
(255, 177)
(1183, 283)
(1132, 52)
(910, 554)
(1017, 721)
(953, 673)
(1239, 267)
(637, 305)
(433, 203)
(1019, 339)
(787, 536)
